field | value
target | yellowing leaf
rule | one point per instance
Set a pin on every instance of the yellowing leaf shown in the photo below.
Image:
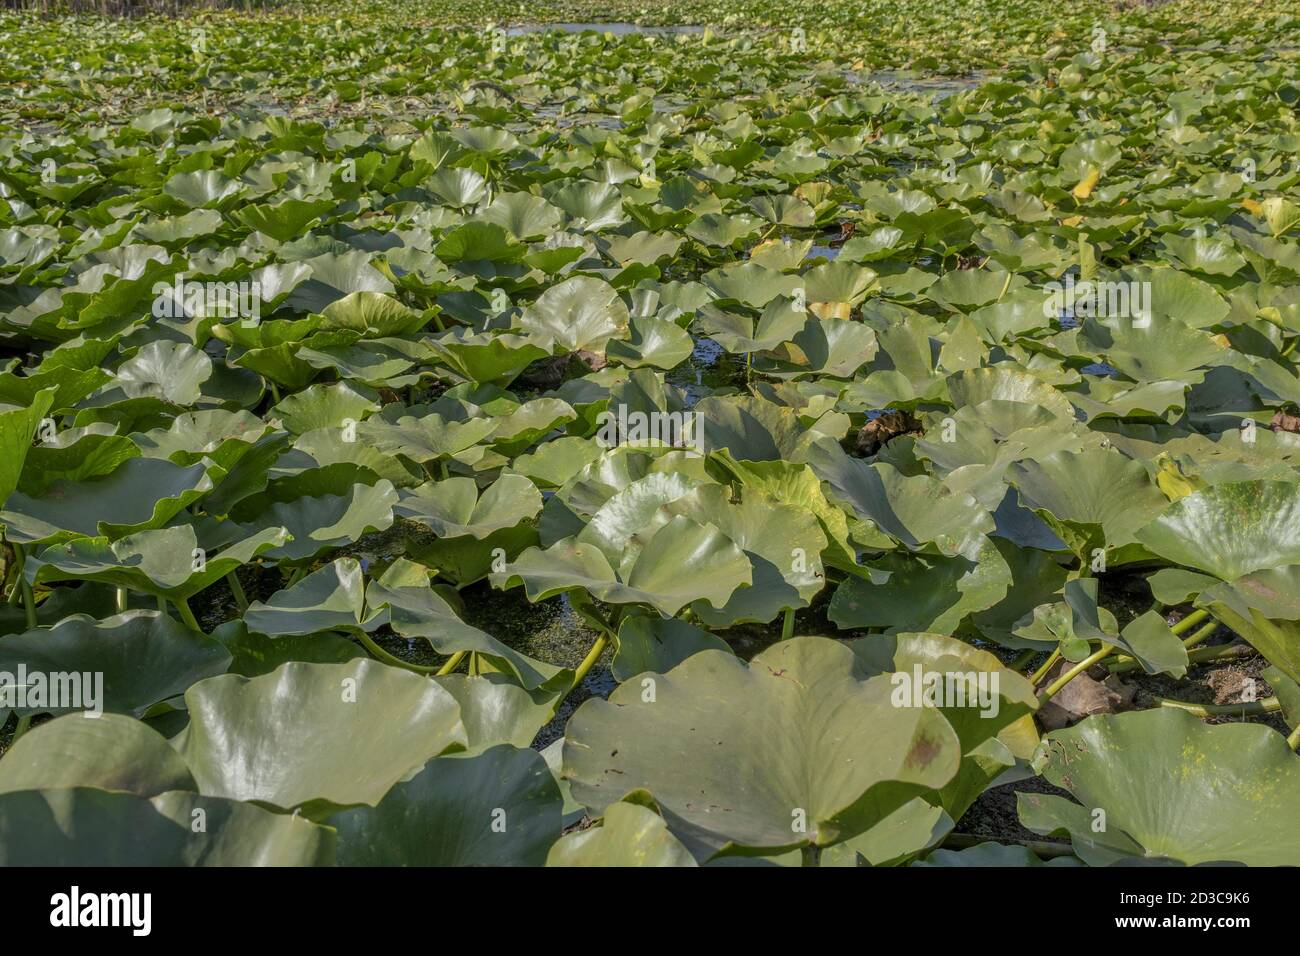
(1172, 482)
(1087, 184)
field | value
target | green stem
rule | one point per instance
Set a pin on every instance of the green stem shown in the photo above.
(237, 589)
(1201, 635)
(452, 663)
(1189, 622)
(1075, 671)
(162, 604)
(187, 616)
(1293, 738)
(15, 590)
(1052, 658)
(810, 856)
(442, 468)
(589, 661)
(1270, 705)
(787, 626)
(120, 600)
(20, 729)
(296, 575)
(29, 599)
(388, 658)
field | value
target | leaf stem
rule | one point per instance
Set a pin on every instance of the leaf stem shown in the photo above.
(452, 663)
(187, 616)
(589, 661)
(1052, 658)
(1201, 635)
(237, 589)
(1269, 705)
(20, 729)
(1075, 671)
(120, 600)
(1293, 738)
(1189, 622)
(787, 625)
(29, 599)
(368, 643)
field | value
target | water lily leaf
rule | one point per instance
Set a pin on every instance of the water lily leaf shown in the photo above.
(1231, 529)
(1095, 498)
(142, 493)
(1174, 790)
(911, 829)
(471, 526)
(974, 386)
(307, 735)
(85, 828)
(990, 707)
(373, 314)
(821, 781)
(654, 578)
(202, 188)
(497, 808)
(255, 654)
(1172, 586)
(524, 216)
(737, 332)
(416, 610)
(427, 437)
(284, 220)
(917, 510)
(17, 426)
(325, 406)
(332, 598)
(993, 854)
(496, 710)
(655, 645)
(122, 664)
(782, 542)
(486, 358)
(1151, 351)
(318, 524)
(922, 592)
(629, 835)
(652, 341)
(1156, 647)
(167, 562)
(578, 313)
(173, 371)
(111, 752)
